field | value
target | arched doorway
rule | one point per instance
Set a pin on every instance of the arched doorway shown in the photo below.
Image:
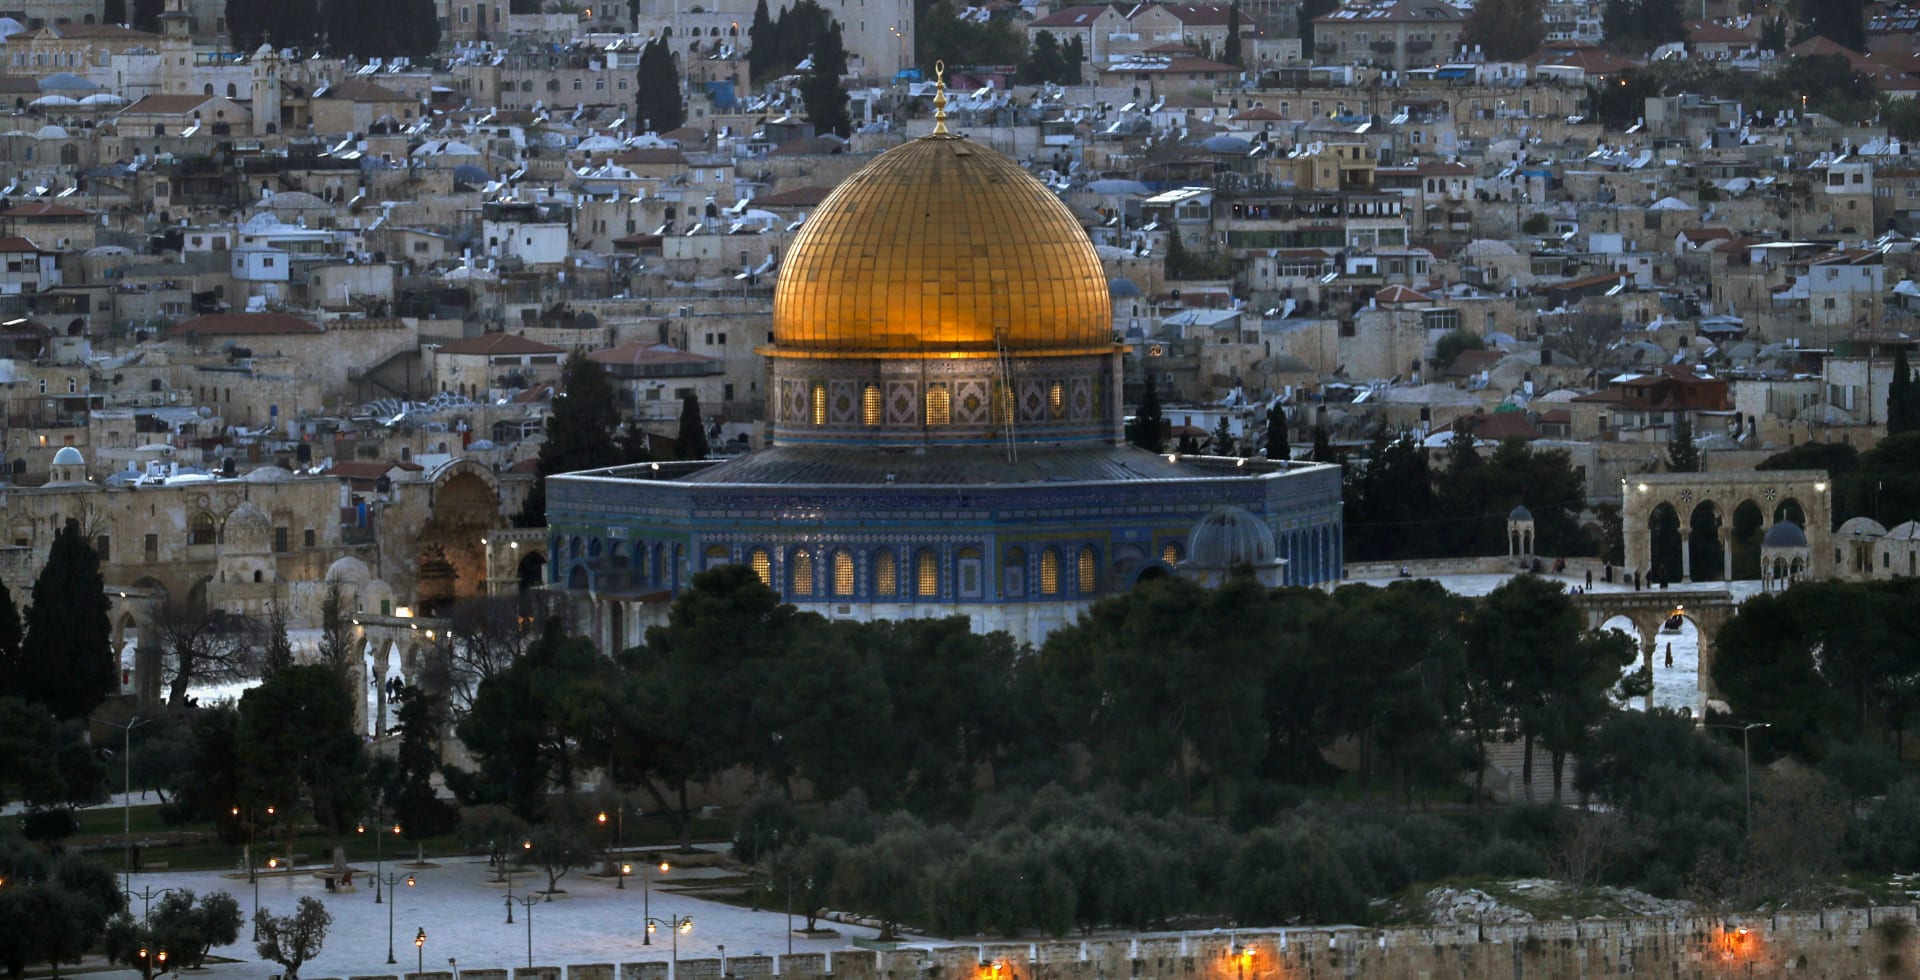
(1704, 557)
(1790, 510)
(1748, 529)
(531, 571)
(451, 561)
(1663, 526)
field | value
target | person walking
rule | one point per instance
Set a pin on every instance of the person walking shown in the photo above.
(1589, 580)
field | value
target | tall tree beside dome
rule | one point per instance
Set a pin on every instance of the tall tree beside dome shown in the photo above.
(1148, 426)
(657, 101)
(66, 658)
(826, 100)
(283, 22)
(691, 442)
(115, 12)
(1903, 412)
(146, 15)
(579, 432)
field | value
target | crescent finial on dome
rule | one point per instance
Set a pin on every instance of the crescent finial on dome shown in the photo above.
(940, 98)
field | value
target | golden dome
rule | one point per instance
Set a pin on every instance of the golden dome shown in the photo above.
(935, 247)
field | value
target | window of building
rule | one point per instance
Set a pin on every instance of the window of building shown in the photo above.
(1016, 572)
(201, 529)
(1089, 572)
(1050, 572)
(802, 573)
(103, 546)
(307, 538)
(970, 568)
(939, 407)
(1057, 400)
(818, 403)
(870, 404)
(926, 574)
(715, 556)
(152, 547)
(280, 538)
(842, 573)
(886, 574)
(1170, 553)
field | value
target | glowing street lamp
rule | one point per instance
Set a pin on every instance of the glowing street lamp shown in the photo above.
(678, 925)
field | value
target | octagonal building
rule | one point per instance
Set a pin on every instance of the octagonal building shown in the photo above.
(945, 417)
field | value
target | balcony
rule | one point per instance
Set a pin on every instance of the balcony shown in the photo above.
(1383, 47)
(1419, 46)
(1325, 46)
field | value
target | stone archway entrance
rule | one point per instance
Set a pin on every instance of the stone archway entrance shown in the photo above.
(1648, 611)
(1706, 509)
(452, 554)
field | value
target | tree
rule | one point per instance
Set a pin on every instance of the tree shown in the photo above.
(292, 940)
(56, 909)
(1682, 455)
(336, 648)
(114, 12)
(296, 745)
(198, 647)
(1505, 30)
(761, 42)
(1843, 22)
(580, 430)
(146, 15)
(1072, 56)
(1044, 62)
(1903, 407)
(1309, 10)
(1277, 448)
(66, 660)
(1222, 442)
(825, 99)
(657, 99)
(1284, 875)
(1640, 25)
(185, 927)
(559, 847)
(1148, 428)
(417, 806)
(691, 442)
(276, 647)
(1231, 52)
(886, 879)
(1455, 342)
(1322, 446)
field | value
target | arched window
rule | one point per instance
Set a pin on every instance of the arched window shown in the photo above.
(762, 565)
(870, 404)
(202, 529)
(968, 565)
(1170, 553)
(802, 573)
(1056, 400)
(1050, 572)
(842, 573)
(715, 557)
(1089, 573)
(817, 403)
(232, 91)
(1016, 566)
(886, 574)
(207, 89)
(926, 573)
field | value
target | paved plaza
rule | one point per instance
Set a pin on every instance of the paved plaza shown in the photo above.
(463, 909)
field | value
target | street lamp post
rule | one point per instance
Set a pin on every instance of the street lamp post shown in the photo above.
(146, 896)
(1746, 758)
(527, 902)
(619, 832)
(677, 925)
(420, 951)
(646, 900)
(393, 881)
(126, 797)
(378, 863)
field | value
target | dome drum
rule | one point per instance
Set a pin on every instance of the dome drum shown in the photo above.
(950, 401)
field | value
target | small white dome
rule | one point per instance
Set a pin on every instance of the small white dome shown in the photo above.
(349, 570)
(68, 456)
(267, 474)
(1230, 536)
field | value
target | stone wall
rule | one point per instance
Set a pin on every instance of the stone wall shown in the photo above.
(1829, 945)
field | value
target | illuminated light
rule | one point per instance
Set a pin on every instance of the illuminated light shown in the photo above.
(1643, 488)
(513, 544)
(663, 867)
(1820, 487)
(626, 869)
(686, 926)
(409, 881)
(602, 817)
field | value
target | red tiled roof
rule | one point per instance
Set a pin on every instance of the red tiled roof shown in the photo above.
(638, 354)
(490, 344)
(799, 197)
(1070, 17)
(15, 244)
(44, 209)
(166, 105)
(243, 325)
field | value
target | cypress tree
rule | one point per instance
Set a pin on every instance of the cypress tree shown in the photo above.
(115, 11)
(1071, 58)
(691, 441)
(1231, 55)
(1682, 457)
(762, 44)
(9, 641)
(1149, 425)
(826, 100)
(1277, 448)
(1901, 410)
(579, 432)
(66, 660)
(657, 100)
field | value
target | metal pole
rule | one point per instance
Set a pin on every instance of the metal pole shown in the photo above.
(646, 908)
(789, 913)
(126, 803)
(390, 932)
(1746, 757)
